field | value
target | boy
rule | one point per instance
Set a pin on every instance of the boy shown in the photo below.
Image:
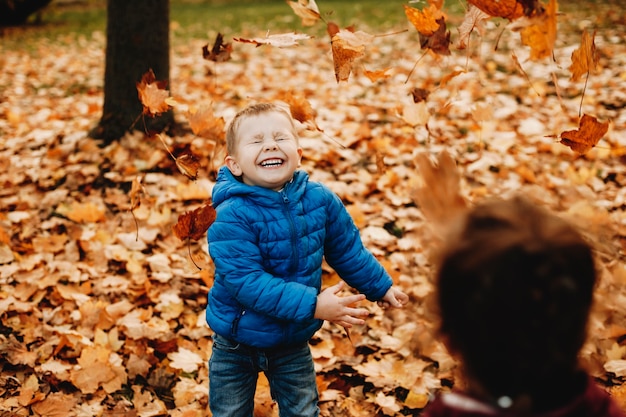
(515, 286)
(272, 230)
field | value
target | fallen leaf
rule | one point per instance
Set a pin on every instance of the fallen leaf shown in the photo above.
(586, 136)
(185, 360)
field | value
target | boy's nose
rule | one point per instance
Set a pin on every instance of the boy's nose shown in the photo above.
(270, 145)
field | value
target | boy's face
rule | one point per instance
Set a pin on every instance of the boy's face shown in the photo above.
(267, 152)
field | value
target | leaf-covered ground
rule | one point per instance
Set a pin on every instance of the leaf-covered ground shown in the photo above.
(101, 309)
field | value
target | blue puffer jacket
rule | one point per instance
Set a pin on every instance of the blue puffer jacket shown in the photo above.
(268, 246)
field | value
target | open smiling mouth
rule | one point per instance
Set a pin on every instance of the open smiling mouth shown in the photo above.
(271, 163)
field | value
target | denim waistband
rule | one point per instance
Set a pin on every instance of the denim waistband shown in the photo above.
(243, 348)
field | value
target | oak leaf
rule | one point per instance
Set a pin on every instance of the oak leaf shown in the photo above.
(586, 136)
(585, 58)
(307, 10)
(194, 224)
(219, 52)
(152, 94)
(347, 46)
(281, 40)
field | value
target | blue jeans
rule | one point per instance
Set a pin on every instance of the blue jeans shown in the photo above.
(233, 373)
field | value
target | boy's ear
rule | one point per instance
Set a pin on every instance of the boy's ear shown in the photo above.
(233, 166)
(299, 156)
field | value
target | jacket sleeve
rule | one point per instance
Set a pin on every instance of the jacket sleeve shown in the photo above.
(239, 268)
(345, 253)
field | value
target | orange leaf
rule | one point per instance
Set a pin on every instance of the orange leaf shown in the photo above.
(136, 189)
(587, 135)
(541, 35)
(307, 10)
(193, 225)
(585, 58)
(300, 108)
(346, 47)
(282, 40)
(152, 94)
(188, 165)
(510, 9)
(425, 21)
(376, 75)
(204, 123)
(220, 52)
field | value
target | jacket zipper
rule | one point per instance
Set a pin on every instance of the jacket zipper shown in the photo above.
(293, 233)
(235, 325)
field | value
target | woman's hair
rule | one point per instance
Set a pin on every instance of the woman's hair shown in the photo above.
(514, 291)
(254, 110)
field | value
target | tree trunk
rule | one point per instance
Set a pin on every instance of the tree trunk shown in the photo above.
(137, 41)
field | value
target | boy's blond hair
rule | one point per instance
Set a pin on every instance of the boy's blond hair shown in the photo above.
(254, 110)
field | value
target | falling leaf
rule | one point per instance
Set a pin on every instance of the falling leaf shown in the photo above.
(416, 114)
(509, 9)
(220, 52)
(346, 47)
(376, 75)
(541, 34)
(586, 136)
(474, 19)
(438, 41)
(419, 94)
(194, 224)
(203, 123)
(134, 194)
(439, 193)
(585, 58)
(152, 94)
(283, 40)
(188, 165)
(307, 10)
(425, 21)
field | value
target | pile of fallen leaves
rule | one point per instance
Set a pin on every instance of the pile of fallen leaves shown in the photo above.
(103, 263)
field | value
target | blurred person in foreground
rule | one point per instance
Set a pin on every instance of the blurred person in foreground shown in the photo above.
(514, 291)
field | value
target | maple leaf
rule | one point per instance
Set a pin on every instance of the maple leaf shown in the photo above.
(194, 224)
(152, 94)
(585, 58)
(282, 40)
(586, 136)
(426, 20)
(185, 359)
(347, 46)
(300, 108)
(541, 34)
(219, 52)
(438, 41)
(307, 10)
(474, 19)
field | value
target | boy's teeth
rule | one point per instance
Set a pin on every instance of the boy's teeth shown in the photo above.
(271, 162)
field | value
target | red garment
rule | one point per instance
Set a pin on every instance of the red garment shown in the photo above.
(594, 402)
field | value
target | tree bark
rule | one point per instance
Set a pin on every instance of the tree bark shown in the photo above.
(137, 41)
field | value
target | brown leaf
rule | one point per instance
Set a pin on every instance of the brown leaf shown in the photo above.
(152, 94)
(307, 10)
(188, 165)
(346, 47)
(509, 9)
(586, 136)
(193, 225)
(203, 123)
(134, 194)
(585, 58)
(438, 41)
(220, 52)
(419, 94)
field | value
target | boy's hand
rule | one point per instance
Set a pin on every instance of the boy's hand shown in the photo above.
(336, 309)
(394, 298)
